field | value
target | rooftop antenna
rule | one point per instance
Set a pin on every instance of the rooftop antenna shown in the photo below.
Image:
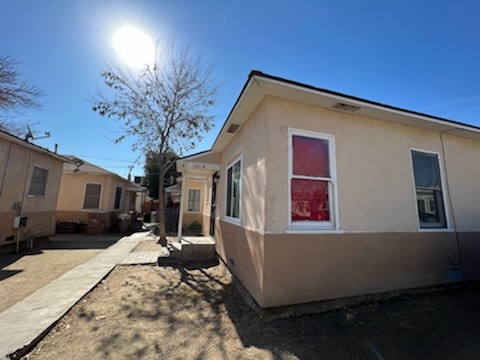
(78, 162)
(30, 135)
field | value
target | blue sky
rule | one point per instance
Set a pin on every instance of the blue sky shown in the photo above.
(419, 55)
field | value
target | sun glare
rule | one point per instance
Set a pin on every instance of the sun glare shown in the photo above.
(134, 47)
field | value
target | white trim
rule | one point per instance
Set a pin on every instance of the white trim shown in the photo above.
(223, 130)
(435, 230)
(99, 200)
(315, 231)
(314, 226)
(366, 104)
(200, 203)
(446, 206)
(200, 166)
(230, 164)
(230, 220)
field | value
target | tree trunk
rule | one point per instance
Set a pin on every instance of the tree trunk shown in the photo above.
(161, 209)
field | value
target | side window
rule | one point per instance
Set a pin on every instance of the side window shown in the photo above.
(312, 181)
(38, 183)
(234, 189)
(118, 197)
(428, 189)
(92, 196)
(193, 200)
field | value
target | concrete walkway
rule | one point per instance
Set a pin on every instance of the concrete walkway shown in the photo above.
(30, 318)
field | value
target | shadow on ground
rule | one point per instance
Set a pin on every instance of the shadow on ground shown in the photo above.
(197, 313)
(57, 242)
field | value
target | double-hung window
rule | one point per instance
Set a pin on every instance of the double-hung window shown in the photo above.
(234, 189)
(38, 182)
(193, 200)
(93, 193)
(312, 180)
(428, 188)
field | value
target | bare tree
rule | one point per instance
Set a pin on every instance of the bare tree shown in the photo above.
(16, 95)
(164, 106)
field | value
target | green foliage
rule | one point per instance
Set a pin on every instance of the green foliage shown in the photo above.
(194, 228)
(152, 172)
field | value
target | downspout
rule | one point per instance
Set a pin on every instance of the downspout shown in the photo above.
(180, 216)
(54, 212)
(459, 260)
(17, 246)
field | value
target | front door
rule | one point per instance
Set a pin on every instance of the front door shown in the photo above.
(213, 204)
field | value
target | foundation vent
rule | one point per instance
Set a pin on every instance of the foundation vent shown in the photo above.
(345, 107)
(232, 129)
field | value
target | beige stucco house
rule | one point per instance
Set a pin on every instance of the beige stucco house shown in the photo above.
(90, 193)
(313, 195)
(29, 181)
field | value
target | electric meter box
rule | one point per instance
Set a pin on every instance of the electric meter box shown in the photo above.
(19, 221)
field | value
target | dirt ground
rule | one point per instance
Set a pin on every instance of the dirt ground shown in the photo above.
(24, 273)
(151, 312)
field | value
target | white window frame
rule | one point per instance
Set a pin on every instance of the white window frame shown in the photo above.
(314, 226)
(85, 192)
(199, 201)
(31, 179)
(444, 197)
(231, 163)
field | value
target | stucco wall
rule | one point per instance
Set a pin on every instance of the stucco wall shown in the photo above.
(374, 169)
(16, 167)
(72, 193)
(243, 252)
(304, 268)
(463, 166)
(249, 142)
(379, 247)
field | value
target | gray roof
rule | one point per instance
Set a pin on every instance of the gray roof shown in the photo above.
(80, 166)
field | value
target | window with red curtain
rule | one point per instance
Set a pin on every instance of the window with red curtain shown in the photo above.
(310, 179)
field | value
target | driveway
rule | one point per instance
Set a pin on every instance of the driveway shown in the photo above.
(24, 273)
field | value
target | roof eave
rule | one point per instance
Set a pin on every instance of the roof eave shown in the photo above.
(260, 85)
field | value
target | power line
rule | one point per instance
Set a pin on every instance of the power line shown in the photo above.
(110, 159)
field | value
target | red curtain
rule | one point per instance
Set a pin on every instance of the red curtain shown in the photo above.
(309, 200)
(310, 157)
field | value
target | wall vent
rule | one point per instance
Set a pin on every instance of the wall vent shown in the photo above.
(232, 129)
(345, 107)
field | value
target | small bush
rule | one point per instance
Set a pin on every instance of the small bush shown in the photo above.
(194, 228)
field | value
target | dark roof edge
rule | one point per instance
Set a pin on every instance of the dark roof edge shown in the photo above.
(355, 98)
(252, 73)
(195, 154)
(32, 146)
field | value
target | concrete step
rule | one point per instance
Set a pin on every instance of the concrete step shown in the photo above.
(190, 249)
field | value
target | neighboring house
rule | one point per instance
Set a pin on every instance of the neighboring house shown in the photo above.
(29, 181)
(89, 193)
(319, 195)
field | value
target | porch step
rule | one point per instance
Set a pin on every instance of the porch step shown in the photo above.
(190, 249)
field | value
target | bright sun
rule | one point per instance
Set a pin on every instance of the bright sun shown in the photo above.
(134, 47)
